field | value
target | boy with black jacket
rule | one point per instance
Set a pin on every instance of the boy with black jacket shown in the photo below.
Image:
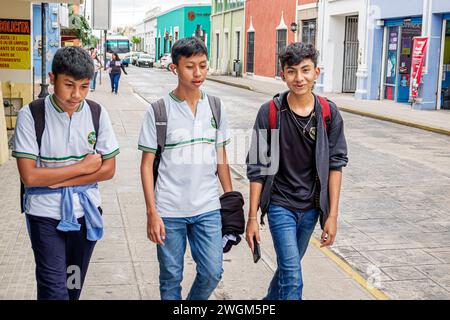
(295, 169)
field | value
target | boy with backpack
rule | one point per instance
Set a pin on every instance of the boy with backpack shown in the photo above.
(183, 140)
(64, 145)
(294, 166)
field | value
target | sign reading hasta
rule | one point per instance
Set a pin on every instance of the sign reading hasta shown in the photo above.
(15, 44)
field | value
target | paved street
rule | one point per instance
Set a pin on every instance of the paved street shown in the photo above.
(393, 228)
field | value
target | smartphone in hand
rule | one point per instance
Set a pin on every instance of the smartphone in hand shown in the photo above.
(256, 251)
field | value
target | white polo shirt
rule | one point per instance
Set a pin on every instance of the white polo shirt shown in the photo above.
(187, 180)
(65, 141)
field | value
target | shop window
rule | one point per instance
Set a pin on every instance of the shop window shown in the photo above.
(309, 31)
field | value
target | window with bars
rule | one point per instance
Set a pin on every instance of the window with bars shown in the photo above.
(281, 44)
(309, 31)
(250, 51)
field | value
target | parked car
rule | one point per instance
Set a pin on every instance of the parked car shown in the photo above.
(135, 57)
(166, 60)
(145, 60)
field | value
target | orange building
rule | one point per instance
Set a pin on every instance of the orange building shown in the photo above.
(270, 26)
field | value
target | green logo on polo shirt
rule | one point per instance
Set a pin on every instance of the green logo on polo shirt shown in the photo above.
(92, 138)
(213, 123)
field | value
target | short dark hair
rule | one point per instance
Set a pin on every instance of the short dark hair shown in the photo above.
(74, 62)
(188, 47)
(296, 52)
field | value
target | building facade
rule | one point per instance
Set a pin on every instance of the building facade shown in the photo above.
(393, 25)
(307, 21)
(340, 41)
(138, 32)
(227, 37)
(268, 27)
(182, 22)
(150, 22)
(53, 36)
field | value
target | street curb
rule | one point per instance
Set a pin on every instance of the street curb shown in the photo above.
(360, 113)
(340, 262)
(232, 84)
(379, 295)
(397, 121)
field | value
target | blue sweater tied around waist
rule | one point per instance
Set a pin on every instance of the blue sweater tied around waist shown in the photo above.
(92, 216)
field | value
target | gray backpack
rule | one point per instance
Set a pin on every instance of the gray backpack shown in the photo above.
(159, 109)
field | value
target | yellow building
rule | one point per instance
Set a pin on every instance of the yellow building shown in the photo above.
(16, 63)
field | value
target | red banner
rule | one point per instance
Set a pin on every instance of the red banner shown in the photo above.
(418, 58)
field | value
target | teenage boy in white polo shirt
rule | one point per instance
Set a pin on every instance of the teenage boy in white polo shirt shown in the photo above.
(185, 201)
(60, 165)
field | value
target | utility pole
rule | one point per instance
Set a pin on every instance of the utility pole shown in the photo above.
(44, 85)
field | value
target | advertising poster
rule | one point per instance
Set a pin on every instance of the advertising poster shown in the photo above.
(419, 49)
(15, 38)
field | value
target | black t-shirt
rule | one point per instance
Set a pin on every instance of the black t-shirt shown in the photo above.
(295, 183)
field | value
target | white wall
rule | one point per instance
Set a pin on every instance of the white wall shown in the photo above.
(331, 36)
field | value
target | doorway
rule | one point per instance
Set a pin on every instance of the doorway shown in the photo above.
(399, 47)
(445, 86)
(351, 45)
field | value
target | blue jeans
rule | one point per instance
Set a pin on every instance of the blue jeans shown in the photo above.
(204, 233)
(115, 77)
(93, 82)
(291, 232)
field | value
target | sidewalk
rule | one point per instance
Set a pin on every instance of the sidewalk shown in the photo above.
(124, 264)
(436, 121)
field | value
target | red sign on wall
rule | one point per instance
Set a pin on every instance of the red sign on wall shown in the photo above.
(418, 58)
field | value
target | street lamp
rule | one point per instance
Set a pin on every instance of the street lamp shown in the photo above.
(44, 85)
(294, 27)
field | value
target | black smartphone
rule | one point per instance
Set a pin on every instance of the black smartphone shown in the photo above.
(256, 251)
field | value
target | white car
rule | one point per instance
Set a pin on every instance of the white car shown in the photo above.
(145, 60)
(166, 60)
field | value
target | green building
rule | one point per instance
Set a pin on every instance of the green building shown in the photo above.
(227, 36)
(182, 22)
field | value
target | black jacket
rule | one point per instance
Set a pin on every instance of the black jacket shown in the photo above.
(264, 154)
(232, 211)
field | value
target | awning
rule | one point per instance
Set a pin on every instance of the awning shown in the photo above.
(400, 21)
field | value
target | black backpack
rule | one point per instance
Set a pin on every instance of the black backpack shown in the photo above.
(37, 108)
(159, 109)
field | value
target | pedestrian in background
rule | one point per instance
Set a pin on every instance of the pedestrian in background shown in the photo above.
(305, 150)
(115, 68)
(97, 66)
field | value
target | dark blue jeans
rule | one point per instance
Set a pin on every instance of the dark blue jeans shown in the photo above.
(115, 77)
(62, 258)
(291, 232)
(204, 233)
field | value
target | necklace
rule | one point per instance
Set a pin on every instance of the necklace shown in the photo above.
(303, 128)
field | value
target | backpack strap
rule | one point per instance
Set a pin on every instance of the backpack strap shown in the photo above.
(215, 105)
(326, 112)
(96, 110)
(159, 110)
(272, 115)
(37, 109)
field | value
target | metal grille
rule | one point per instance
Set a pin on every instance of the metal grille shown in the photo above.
(350, 54)
(281, 44)
(250, 51)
